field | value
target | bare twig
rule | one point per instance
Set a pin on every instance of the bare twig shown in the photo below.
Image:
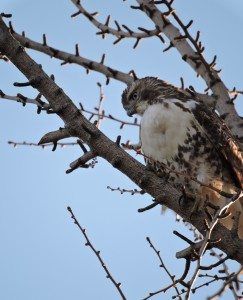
(73, 58)
(97, 253)
(177, 281)
(162, 265)
(122, 191)
(99, 108)
(231, 278)
(24, 100)
(106, 29)
(102, 115)
(207, 240)
(45, 106)
(62, 145)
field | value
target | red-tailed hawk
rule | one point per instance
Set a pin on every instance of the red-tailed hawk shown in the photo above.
(187, 141)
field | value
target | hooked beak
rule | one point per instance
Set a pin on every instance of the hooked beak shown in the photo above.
(131, 112)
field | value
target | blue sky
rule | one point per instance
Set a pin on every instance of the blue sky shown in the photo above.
(42, 255)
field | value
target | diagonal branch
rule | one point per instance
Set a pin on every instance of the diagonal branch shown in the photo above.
(97, 253)
(74, 58)
(79, 126)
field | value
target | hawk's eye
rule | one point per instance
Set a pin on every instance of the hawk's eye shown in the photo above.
(134, 96)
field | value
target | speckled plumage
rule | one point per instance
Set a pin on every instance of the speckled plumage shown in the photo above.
(178, 143)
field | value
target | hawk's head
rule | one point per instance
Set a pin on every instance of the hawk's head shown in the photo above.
(147, 91)
(142, 93)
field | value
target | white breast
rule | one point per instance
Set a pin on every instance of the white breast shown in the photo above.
(163, 129)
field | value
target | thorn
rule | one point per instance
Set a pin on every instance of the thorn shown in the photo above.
(136, 43)
(54, 146)
(189, 24)
(169, 47)
(44, 43)
(76, 14)
(117, 25)
(128, 29)
(118, 40)
(102, 59)
(76, 50)
(107, 20)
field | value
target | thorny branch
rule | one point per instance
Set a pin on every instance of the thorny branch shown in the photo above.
(69, 58)
(191, 50)
(118, 33)
(16, 144)
(233, 285)
(97, 253)
(41, 105)
(122, 191)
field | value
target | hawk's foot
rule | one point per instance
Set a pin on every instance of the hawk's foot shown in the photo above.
(186, 198)
(191, 201)
(197, 206)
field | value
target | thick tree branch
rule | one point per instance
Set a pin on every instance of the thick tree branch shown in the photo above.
(74, 58)
(66, 57)
(79, 126)
(54, 136)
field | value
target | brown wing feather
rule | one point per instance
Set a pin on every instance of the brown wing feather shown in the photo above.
(220, 136)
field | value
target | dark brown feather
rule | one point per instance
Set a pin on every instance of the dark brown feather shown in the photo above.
(222, 139)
